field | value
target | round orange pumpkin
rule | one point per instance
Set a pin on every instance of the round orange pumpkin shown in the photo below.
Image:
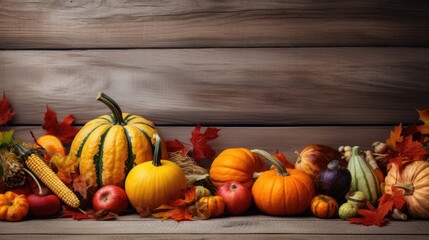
(213, 205)
(236, 164)
(281, 191)
(13, 207)
(315, 157)
(413, 179)
(323, 206)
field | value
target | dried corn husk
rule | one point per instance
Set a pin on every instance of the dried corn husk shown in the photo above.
(195, 174)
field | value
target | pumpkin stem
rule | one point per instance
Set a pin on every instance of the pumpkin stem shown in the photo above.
(158, 152)
(276, 163)
(408, 188)
(114, 107)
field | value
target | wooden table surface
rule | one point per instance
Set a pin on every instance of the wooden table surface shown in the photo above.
(255, 226)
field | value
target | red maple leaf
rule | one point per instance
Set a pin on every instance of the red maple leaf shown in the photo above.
(76, 214)
(370, 217)
(396, 199)
(200, 147)
(177, 209)
(64, 131)
(5, 111)
(174, 146)
(413, 150)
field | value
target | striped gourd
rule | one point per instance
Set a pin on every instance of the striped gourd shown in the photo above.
(45, 174)
(363, 177)
(106, 148)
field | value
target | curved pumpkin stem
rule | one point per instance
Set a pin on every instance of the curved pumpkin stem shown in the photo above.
(158, 152)
(114, 107)
(408, 188)
(276, 163)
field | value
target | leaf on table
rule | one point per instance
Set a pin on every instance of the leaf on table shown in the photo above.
(76, 214)
(6, 113)
(6, 138)
(395, 137)
(200, 147)
(104, 215)
(370, 217)
(64, 131)
(424, 116)
(177, 209)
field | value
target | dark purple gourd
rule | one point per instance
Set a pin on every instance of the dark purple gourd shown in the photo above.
(334, 181)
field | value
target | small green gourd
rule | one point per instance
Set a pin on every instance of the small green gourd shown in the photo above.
(363, 177)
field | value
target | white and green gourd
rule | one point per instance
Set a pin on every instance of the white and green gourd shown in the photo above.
(363, 177)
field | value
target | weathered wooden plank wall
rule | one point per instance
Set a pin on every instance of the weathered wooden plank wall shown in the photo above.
(241, 64)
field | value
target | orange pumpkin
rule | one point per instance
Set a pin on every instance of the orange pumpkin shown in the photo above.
(236, 164)
(413, 179)
(281, 191)
(213, 205)
(13, 207)
(323, 206)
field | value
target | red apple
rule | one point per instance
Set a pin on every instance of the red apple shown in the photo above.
(236, 196)
(44, 206)
(110, 197)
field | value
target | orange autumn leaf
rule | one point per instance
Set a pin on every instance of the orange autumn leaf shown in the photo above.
(395, 137)
(424, 116)
(79, 185)
(177, 209)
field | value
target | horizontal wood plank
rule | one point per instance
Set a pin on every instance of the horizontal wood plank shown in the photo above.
(274, 86)
(219, 236)
(225, 226)
(284, 139)
(81, 24)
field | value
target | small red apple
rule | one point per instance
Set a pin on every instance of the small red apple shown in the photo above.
(110, 197)
(236, 196)
(44, 206)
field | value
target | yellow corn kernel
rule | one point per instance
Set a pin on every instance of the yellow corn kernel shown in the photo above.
(50, 179)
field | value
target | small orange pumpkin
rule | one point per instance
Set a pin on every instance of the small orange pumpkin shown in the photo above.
(236, 164)
(13, 207)
(281, 191)
(324, 206)
(213, 205)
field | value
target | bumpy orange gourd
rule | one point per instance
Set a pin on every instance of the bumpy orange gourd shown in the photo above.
(323, 206)
(13, 207)
(281, 191)
(213, 205)
(315, 157)
(236, 164)
(413, 178)
(108, 147)
(151, 184)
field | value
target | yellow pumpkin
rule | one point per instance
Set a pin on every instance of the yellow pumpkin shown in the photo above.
(108, 147)
(413, 179)
(151, 184)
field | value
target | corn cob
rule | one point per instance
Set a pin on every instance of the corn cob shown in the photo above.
(38, 166)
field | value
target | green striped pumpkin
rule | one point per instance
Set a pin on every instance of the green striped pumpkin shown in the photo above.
(106, 148)
(363, 177)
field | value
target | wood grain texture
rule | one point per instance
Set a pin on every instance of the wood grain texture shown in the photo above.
(78, 24)
(219, 236)
(132, 225)
(284, 139)
(274, 86)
